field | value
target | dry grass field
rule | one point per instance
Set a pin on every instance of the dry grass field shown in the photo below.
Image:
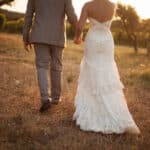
(22, 127)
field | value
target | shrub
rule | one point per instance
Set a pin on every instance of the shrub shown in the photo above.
(15, 26)
(20, 23)
(120, 37)
(11, 26)
(85, 30)
(69, 31)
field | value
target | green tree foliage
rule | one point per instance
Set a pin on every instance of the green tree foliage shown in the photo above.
(2, 21)
(130, 22)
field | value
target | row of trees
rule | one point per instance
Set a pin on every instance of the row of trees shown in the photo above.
(127, 29)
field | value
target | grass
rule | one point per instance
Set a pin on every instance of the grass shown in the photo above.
(23, 128)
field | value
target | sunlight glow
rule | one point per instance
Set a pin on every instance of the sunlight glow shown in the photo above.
(141, 6)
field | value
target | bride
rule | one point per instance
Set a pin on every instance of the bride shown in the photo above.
(100, 103)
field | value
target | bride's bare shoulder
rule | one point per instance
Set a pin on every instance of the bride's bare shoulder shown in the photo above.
(86, 6)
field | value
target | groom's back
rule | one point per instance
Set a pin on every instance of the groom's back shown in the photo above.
(48, 26)
(49, 8)
(49, 13)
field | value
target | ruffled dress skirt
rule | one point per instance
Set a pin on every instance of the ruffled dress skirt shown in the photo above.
(100, 104)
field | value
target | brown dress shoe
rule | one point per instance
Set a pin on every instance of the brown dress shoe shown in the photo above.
(45, 106)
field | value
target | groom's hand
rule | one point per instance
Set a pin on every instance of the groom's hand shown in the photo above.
(27, 46)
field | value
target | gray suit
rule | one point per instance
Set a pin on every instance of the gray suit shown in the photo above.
(45, 28)
(48, 25)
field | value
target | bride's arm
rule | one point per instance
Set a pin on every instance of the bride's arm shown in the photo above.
(80, 25)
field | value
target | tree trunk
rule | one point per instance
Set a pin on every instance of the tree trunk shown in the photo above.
(135, 44)
(148, 49)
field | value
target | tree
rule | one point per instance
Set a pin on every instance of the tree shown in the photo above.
(3, 2)
(145, 27)
(130, 22)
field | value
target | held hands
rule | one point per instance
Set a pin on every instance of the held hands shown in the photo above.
(78, 40)
(78, 34)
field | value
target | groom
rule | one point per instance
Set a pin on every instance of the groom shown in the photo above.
(44, 27)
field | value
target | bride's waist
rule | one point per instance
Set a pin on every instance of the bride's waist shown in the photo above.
(99, 35)
(99, 30)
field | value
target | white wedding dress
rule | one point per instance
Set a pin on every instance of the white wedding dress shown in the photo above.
(100, 103)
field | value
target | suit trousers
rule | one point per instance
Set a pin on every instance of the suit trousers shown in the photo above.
(48, 60)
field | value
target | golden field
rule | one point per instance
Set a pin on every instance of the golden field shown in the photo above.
(22, 127)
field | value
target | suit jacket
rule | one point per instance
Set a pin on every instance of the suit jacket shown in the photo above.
(44, 21)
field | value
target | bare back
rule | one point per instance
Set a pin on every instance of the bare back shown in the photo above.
(101, 10)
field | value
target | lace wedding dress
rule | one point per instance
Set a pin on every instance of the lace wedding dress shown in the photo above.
(100, 103)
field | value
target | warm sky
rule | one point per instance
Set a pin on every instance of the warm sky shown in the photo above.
(142, 6)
